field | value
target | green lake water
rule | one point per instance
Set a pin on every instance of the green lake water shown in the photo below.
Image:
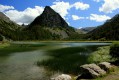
(23, 65)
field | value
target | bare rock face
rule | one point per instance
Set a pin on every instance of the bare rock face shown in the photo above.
(4, 17)
(49, 18)
(105, 66)
(92, 70)
(62, 77)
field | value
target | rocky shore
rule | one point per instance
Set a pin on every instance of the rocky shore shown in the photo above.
(89, 71)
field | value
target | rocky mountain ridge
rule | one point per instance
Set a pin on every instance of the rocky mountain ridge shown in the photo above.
(49, 18)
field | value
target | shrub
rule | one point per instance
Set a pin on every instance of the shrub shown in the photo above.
(114, 50)
(1, 38)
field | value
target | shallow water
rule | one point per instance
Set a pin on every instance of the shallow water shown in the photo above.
(22, 65)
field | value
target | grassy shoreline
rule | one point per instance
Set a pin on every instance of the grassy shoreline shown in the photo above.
(62, 41)
(10, 48)
(68, 60)
(100, 55)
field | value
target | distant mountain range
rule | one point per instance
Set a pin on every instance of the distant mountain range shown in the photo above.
(87, 29)
(51, 26)
(47, 26)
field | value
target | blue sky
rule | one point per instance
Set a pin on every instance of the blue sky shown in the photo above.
(77, 13)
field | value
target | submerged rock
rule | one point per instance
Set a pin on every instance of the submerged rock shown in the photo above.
(62, 77)
(92, 71)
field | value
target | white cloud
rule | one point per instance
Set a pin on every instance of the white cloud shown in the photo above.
(29, 14)
(61, 7)
(5, 7)
(75, 17)
(26, 16)
(81, 6)
(97, 0)
(80, 27)
(109, 6)
(99, 18)
(68, 23)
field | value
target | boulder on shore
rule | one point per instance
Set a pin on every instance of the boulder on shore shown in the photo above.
(105, 66)
(62, 77)
(92, 71)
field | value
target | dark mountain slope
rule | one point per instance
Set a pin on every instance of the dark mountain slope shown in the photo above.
(8, 29)
(108, 31)
(49, 18)
(4, 17)
(50, 25)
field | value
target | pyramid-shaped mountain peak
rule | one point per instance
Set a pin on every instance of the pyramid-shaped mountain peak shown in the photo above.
(47, 8)
(49, 18)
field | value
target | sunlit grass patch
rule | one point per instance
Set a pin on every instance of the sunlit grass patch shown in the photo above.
(101, 55)
(2, 45)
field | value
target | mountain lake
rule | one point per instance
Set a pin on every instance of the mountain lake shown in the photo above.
(34, 60)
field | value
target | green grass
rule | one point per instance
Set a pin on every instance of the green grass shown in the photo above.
(7, 48)
(101, 55)
(114, 50)
(2, 45)
(67, 60)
